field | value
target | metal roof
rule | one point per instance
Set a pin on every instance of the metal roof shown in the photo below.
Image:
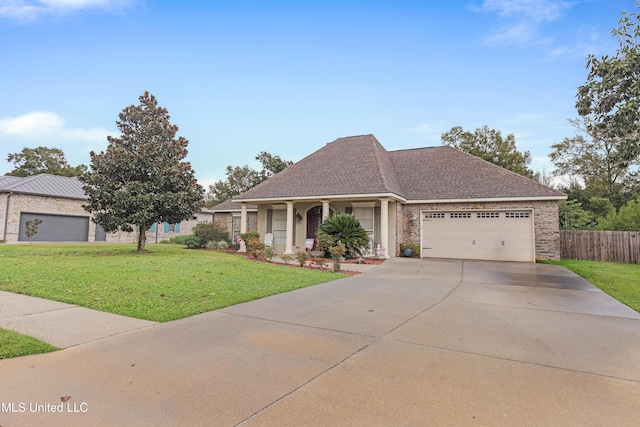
(44, 185)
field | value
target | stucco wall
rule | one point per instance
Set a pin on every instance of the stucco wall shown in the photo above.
(545, 214)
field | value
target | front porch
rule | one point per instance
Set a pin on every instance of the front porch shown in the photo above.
(292, 222)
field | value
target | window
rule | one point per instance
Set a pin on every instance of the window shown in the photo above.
(171, 228)
(236, 220)
(434, 216)
(488, 215)
(516, 215)
(279, 228)
(365, 216)
(460, 215)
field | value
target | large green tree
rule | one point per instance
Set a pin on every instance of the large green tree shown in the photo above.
(34, 161)
(609, 101)
(141, 178)
(626, 219)
(242, 178)
(595, 162)
(490, 145)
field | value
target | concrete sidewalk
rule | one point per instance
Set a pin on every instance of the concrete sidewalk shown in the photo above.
(67, 325)
(411, 342)
(62, 325)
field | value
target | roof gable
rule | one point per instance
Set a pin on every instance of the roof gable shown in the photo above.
(352, 165)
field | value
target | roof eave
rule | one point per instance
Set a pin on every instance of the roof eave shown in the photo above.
(490, 199)
(259, 200)
(27, 193)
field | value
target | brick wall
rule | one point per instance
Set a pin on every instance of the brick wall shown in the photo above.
(58, 206)
(225, 221)
(39, 204)
(546, 224)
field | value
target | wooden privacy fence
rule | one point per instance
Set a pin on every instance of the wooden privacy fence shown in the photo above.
(591, 245)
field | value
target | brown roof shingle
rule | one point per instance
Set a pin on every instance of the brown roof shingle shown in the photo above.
(352, 165)
(437, 173)
(361, 165)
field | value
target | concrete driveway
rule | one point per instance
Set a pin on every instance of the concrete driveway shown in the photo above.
(412, 342)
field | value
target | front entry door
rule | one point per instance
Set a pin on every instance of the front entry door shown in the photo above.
(314, 219)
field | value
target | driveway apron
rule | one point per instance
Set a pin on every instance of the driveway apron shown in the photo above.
(412, 342)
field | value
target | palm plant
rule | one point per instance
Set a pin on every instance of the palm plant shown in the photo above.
(345, 229)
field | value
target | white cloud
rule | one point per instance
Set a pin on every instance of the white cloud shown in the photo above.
(521, 19)
(43, 128)
(32, 10)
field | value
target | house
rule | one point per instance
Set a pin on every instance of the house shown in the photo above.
(57, 201)
(450, 203)
(228, 215)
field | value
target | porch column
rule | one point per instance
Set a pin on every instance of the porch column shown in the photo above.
(289, 234)
(243, 226)
(384, 226)
(325, 209)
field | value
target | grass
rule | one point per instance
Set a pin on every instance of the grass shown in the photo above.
(13, 344)
(621, 281)
(167, 283)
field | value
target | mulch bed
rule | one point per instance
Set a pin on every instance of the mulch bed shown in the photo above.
(294, 263)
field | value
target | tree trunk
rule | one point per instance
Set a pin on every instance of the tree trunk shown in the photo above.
(142, 238)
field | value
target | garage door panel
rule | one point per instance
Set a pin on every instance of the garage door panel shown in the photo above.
(497, 235)
(56, 228)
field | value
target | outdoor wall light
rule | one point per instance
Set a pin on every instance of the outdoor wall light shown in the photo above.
(298, 217)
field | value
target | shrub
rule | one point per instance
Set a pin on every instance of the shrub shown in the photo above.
(336, 253)
(319, 262)
(191, 241)
(302, 257)
(345, 229)
(180, 240)
(220, 244)
(286, 258)
(210, 232)
(253, 244)
(269, 253)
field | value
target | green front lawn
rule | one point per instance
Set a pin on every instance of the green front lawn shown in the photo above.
(621, 281)
(168, 283)
(13, 344)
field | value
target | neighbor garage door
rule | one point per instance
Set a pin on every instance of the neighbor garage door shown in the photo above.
(56, 228)
(485, 235)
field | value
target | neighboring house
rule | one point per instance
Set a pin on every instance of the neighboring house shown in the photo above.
(228, 215)
(450, 203)
(57, 201)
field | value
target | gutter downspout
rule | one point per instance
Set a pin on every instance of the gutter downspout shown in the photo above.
(6, 218)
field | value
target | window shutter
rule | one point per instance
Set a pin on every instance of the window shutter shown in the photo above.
(166, 227)
(153, 228)
(177, 227)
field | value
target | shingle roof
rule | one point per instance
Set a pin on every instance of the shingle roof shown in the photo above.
(352, 165)
(360, 165)
(44, 185)
(437, 173)
(229, 206)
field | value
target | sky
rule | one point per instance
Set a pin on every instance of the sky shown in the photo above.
(287, 77)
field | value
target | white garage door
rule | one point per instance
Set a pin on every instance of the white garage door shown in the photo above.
(486, 235)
